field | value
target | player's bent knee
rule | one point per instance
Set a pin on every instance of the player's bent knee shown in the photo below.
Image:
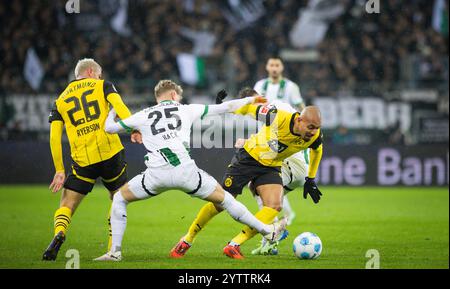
(217, 196)
(274, 205)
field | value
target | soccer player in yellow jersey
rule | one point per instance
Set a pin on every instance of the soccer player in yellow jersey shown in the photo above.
(259, 162)
(83, 108)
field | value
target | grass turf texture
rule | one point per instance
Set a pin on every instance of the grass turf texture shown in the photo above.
(408, 226)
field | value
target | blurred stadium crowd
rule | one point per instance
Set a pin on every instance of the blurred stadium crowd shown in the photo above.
(358, 47)
(138, 42)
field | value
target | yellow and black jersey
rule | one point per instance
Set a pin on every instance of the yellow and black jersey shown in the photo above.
(83, 107)
(276, 140)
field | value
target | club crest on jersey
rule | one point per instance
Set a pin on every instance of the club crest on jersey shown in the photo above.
(277, 146)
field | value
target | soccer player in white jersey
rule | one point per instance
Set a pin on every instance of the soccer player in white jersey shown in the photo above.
(278, 88)
(165, 130)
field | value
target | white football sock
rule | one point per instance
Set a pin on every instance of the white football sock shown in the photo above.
(118, 221)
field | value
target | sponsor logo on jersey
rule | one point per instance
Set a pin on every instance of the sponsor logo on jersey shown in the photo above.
(265, 109)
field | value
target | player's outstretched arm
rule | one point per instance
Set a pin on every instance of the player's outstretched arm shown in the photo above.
(119, 107)
(56, 130)
(234, 105)
(310, 186)
(253, 109)
(111, 126)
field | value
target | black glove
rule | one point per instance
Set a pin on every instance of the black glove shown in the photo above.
(220, 96)
(311, 188)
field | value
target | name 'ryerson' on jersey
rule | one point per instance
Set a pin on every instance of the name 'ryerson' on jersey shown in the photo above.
(83, 107)
(276, 140)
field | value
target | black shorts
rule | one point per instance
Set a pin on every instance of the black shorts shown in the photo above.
(113, 172)
(244, 169)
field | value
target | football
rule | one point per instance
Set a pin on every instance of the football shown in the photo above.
(307, 246)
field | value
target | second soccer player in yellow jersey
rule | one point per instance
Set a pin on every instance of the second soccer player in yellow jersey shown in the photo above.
(259, 162)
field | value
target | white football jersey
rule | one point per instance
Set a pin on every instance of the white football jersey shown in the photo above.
(166, 130)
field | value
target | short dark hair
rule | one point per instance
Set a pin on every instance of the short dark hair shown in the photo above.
(246, 92)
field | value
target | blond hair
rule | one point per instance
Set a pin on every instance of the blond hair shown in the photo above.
(84, 64)
(167, 85)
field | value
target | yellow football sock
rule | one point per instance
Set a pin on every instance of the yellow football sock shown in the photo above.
(206, 213)
(265, 215)
(62, 219)
(110, 230)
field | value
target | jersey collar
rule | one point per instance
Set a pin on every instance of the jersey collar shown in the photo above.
(279, 82)
(84, 78)
(166, 101)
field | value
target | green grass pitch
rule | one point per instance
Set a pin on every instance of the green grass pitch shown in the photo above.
(408, 226)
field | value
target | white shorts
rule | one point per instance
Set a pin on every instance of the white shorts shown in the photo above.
(293, 172)
(186, 177)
